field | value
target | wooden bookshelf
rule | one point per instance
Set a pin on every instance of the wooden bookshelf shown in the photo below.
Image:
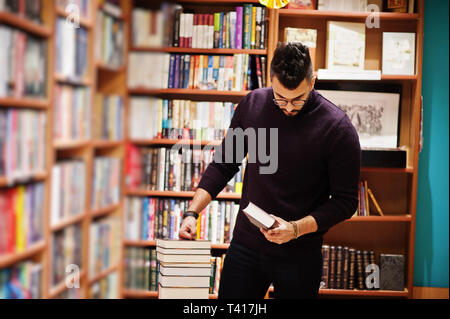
(183, 194)
(25, 25)
(348, 16)
(13, 258)
(360, 293)
(185, 92)
(199, 51)
(38, 104)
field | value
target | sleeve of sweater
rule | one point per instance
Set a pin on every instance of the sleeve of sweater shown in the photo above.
(344, 161)
(228, 155)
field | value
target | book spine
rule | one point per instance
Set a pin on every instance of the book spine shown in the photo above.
(239, 27)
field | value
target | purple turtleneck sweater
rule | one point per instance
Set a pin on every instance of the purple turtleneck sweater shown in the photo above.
(317, 174)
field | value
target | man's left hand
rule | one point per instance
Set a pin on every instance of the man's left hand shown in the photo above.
(282, 233)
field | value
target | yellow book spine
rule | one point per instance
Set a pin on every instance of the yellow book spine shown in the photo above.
(20, 219)
(372, 197)
(253, 38)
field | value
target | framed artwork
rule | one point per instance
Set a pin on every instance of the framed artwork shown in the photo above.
(375, 115)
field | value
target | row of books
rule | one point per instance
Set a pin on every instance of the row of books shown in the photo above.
(362, 5)
(68, 190)
(365, 195)
(216, 270)
(104, 244)
(21, 217)
(21, 281)
(105, 288)
(22, 143)
(152, 218)
(110, 40)
(66, 250)
(349, 268)
(107, 122)
(236, 72)
(83, 7)
(152, 118)
(23, 58)
(71, 51)
(174, 26)
(27, 9)
(141, 268)
(106, 181)
(166, 169)
(71, 119)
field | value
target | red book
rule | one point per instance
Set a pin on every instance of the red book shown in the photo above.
(19, 83)
(258, 71)
(11, 219)
(133, 166)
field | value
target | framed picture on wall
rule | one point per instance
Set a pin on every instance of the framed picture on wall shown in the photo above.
(375, 115)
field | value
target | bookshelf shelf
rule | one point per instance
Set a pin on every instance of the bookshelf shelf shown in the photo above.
(11, 259)
(128, 293)
(104, 211)
(362, 293)
(199, 51)
(103, 274)
(61, 287)
(72, 81)
(144, 91)
(37, 177)
(85, 23)
(393, 218)
(67, 222)
(25, 25)
(173, 142)
(293, 13)
(408, 170)
(103, 67)
(106, 144)
(185, 194)
(152, 243)
(24, 103)
(67, 145)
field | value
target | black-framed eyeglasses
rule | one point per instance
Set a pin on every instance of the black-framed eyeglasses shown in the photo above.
(284, 102)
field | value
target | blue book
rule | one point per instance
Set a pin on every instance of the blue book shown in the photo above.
(145, 219)
(171, 71)
(176, 82)
(181, 72)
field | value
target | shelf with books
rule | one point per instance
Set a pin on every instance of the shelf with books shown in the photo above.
(359, 293)
(101, 212)
(101, 144)
(72, 81)
(11, 259)
(69, 145)
(67, 222)
(35, 177)
(319, 14)
(103, 274)
(185, 194)
(25, 25)
(199, 51)
(209, 2)
(224, 94)
(152, 243)
(162, 141)
(39, 104)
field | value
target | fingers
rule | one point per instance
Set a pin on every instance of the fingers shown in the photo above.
(187, 233)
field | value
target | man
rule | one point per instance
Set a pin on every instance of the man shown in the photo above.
(314, 187)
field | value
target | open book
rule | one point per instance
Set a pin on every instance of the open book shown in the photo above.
(259, 217)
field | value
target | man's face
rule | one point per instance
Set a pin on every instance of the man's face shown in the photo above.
(295, 98)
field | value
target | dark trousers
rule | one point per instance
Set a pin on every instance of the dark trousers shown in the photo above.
(248, 273)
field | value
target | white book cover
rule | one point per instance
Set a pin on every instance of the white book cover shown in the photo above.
(399, 50)
(184, 281)
(259, 217)
(182, 293)
(346, 43)
(184, 271)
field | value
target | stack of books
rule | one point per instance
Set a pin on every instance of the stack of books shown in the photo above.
(185, 268)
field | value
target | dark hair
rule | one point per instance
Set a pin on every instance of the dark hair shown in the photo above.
(291, 64)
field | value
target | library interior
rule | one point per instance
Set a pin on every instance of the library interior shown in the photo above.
(129, 102)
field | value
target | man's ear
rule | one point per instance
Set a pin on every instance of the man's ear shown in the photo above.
(313, 82)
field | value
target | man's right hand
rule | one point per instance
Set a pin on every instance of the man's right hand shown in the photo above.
(188, 229)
